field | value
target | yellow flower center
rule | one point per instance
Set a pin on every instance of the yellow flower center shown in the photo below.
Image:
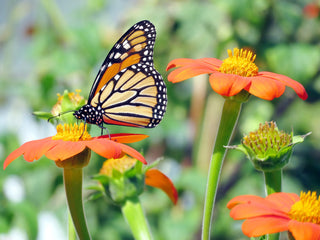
(74, 133)
(241, 63)
(307, 209)
(120, 164)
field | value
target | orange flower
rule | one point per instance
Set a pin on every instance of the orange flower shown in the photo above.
(278, 212)
(236, 73)
(71, 140)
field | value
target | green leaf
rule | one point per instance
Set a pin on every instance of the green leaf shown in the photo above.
(299, 138)
(95, 196)
(103, 179)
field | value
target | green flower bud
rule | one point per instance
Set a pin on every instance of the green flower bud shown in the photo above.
(66, 103)
(268, 148)
(122, 178)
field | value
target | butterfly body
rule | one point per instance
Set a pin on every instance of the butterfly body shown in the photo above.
(128, 90)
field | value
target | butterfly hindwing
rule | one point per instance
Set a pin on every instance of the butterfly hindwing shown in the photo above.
(128, 90)
(138, 97)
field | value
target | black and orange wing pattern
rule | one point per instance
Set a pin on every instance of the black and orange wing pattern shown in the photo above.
(128, 90)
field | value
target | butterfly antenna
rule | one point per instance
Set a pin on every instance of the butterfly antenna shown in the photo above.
(59, 115)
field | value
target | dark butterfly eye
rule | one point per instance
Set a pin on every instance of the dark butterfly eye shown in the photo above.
(128, 90)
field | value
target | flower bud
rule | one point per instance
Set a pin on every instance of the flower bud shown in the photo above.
(268, 148)
(122, 178)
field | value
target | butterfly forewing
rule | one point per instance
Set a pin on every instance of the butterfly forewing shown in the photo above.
(135, 46)
(128, 90)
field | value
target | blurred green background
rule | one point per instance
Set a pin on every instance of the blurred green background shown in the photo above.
(49, 46)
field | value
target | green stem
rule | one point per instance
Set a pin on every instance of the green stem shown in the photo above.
(73, 186)
(71, 232)
(229, 117)
(133, 213)
(273, 181)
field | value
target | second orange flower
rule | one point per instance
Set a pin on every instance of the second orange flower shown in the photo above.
(236, 73)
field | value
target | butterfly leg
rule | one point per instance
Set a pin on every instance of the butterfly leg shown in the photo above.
(104, 128)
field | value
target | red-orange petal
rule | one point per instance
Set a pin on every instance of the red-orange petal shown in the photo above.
(255, 227)
(132, 152)
(251, 210)
(65, 149)
(253, 206)
(157, 179)
(32, 150)
(265, 88)
(35, 149)
(105, 147)
(127, 137)
(243, 199)
(296, 86)
(304, 230)
(180, 62)
(228, 84)
(183, 73)
(283, 201)
(188, 68)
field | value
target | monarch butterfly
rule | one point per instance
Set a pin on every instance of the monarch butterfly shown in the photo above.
(128, 90)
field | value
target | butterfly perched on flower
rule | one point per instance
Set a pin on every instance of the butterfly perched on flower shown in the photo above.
(128, 90)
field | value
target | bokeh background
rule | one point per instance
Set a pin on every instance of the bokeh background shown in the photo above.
(48, 46)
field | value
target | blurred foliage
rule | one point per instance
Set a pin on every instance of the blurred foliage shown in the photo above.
(49, 46)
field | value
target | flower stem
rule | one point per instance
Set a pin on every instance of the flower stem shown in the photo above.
(73, 186)
(228, 121)
(71, 232)
(273, 182)
(133, 213)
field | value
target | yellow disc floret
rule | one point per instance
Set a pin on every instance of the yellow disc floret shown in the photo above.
(74, 133)
(241, 63)
(120, 164)
(307, 209)
(267, 139)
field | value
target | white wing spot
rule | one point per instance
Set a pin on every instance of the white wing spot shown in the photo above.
(117, 55)
(126, 44)
(116, 77)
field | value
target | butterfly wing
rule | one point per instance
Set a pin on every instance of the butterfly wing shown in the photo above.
(127, 88)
